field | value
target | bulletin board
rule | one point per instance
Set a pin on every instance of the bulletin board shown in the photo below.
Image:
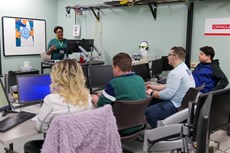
(23, 36)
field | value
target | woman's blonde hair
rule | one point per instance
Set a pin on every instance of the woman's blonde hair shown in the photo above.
(68, 80)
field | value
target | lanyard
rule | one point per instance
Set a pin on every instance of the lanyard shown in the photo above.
(60, 43)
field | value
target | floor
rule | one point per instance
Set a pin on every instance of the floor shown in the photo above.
(219, 137)
(136, 147)
(223, 139)
(18, 146)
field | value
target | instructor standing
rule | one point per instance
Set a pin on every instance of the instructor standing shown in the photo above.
(57, 46)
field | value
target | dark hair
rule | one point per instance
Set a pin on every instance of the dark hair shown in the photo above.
(123, 61)
(56, 28)
(179, 51)
(207, 50)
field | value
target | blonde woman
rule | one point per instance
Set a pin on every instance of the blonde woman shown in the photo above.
(68, 94)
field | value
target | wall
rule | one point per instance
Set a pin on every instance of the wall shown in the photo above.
(221, 44)
(40, 9)
(122, 29)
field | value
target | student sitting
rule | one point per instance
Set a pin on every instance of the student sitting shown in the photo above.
(208, 71)
(69, 94)
(125, 85)
(178, 82)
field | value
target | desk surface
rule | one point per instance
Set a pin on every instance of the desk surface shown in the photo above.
(48, 65)
(92, 62)
(24, 130)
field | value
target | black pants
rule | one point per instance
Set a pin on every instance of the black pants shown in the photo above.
(33, 146)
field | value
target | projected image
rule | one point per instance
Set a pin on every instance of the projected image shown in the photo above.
(24, 32)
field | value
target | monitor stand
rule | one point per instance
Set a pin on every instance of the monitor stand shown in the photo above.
(8, 111)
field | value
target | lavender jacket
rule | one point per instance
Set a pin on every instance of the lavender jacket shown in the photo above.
(90, 131)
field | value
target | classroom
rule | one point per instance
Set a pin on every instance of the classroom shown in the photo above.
(115, 27)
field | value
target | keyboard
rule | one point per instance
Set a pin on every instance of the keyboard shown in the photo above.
(162, 81)
(15, 120)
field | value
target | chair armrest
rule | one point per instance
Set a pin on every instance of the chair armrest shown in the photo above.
(159, 133)
(174, 119)
(162, 132)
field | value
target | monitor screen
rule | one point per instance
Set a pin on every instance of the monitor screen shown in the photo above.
(157, 67)
(4, 102)
(33, 88)
(166, 66)
(142, 70)
(203, 126)
(220, 109)
(88, 44)
(100, 75)
(85, 71)
(72, 45)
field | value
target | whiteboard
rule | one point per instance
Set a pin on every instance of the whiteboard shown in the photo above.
(23, 36)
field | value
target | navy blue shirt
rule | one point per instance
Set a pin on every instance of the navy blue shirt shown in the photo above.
(210, 74)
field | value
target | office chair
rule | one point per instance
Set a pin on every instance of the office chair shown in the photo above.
(181, 116)
(44, 58)
(190, 95)
(130, 114)
(167, 135)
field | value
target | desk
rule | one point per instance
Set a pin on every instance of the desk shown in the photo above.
(144, 59)
(48, 65)
(25, 130)
(137, 62)
(93, 62)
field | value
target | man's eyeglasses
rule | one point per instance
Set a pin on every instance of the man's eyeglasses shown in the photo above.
(171, 54)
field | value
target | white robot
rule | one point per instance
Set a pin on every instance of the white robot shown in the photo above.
(143, 56)
(144, 47)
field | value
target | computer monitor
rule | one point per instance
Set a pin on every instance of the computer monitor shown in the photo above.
(88, 44)
(12, 76)
(33, 88)
(166, 66)
(220, 109)
(86, 74)
(4, 102)
(73, 45)
(157, 67)
(142, 70)
(203, 126)
(100, 75)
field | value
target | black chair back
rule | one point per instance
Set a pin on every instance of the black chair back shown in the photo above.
(129, 114)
